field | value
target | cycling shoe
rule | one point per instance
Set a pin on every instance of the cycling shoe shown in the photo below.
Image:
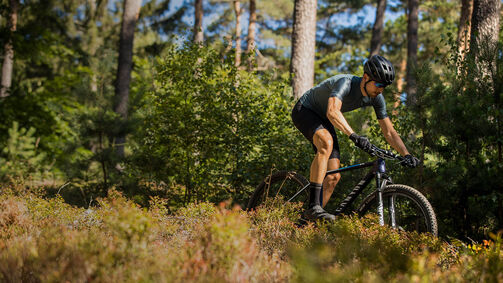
(317, 213)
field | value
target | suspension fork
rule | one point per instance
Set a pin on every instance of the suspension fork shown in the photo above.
(380, 169)
(380, 184)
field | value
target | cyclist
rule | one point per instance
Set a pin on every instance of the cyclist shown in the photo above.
(320, 110)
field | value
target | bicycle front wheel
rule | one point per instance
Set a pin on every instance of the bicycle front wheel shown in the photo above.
(404, 207)
(280, 186)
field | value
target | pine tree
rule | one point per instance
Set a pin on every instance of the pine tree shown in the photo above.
(377, 30)
(303, 46)
(198, 23)
(130, 15)
(412, 27)
(8, 62)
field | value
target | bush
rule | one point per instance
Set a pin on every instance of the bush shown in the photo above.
(48, 240)
(20, 159)
(214, 129)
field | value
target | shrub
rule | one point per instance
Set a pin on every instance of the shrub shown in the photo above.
(48, 240)
(214, 129)
(19, 159)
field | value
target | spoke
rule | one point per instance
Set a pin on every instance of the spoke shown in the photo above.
(268, 186)
(282, 183)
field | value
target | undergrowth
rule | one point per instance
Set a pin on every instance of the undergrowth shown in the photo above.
(117, 241)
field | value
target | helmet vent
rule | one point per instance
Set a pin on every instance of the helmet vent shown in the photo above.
(379, 69)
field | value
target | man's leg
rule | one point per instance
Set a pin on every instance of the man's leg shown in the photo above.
(331, 180)
(323, 141)
(311, 126)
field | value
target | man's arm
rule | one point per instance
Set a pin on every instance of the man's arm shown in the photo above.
(335, 116)
(392, 136)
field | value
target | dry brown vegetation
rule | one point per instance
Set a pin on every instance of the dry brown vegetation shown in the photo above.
(117, 241)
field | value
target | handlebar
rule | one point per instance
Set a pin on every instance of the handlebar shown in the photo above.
(385, 154)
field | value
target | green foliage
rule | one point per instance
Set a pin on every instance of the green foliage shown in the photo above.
(454, 129)
(210, 125)
(20, 159)
(201, 129)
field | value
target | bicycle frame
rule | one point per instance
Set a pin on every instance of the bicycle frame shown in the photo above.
(378, 172)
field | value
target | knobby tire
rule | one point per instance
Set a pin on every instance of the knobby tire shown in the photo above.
(418, 214)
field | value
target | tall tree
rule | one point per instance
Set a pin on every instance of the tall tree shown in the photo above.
(375, 42)
(8, 61)
(92, 36)
(399, 81)
(465, 23)
(198, 23)
(129, 17)
(412, 27)
(237, 11)
(250, 43)
(485, 28)
(303, 46)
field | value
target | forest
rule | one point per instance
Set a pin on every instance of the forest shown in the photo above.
(131, 129)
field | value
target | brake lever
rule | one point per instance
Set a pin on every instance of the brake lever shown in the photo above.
(383, 153)
(372, 151)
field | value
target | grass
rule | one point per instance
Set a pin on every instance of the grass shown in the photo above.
(46, 240)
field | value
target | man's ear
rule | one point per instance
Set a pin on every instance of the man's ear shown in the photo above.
(365, 76)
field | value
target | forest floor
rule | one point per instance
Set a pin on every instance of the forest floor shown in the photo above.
(46, 239)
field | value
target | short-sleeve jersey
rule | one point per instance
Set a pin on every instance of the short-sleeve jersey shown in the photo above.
(347, 89)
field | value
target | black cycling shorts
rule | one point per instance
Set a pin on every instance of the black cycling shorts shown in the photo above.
(308, 122)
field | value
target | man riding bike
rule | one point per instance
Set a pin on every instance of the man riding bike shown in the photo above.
(320, 109)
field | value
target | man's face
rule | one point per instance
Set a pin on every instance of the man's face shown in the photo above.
(374, 88)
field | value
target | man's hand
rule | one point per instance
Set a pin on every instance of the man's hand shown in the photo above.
(361, 141)
(410, 161)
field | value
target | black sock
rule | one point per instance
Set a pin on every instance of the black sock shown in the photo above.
(314, 194)
(321, 196)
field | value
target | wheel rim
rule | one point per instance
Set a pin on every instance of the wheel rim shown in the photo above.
(409, 215)
(282, 188)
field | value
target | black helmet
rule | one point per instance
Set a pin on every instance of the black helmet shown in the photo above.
(380, 69)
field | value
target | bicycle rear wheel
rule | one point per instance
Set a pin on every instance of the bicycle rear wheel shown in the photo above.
(412, 211)
(280, 186)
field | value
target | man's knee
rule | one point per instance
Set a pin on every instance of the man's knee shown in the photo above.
(333, 179)
(323, 142)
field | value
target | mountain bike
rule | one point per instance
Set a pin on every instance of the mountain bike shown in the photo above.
(399, 206)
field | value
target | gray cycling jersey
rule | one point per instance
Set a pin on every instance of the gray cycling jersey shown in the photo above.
(347, 89)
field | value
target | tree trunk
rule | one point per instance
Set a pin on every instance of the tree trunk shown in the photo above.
(399, 83)
(131, 12)
(237, 11)
(8, 61)
(377, 30)
(485, 28)
(250, 44)
(93, 43)
(412, 26)
(198, 23)
(303, 46)
(464, 30)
